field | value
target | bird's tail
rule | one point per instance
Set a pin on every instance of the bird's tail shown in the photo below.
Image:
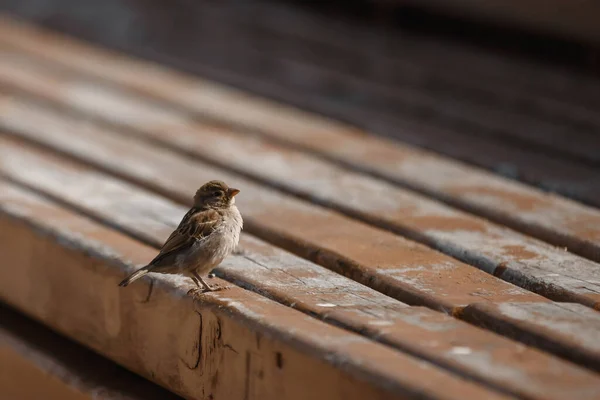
(135, 276)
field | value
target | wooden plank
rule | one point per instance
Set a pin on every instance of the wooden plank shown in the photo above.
(402, 269)
(516, 258)
(37, 363)
(269, 351)
(421, 332)
(575, 328)
(551, 218)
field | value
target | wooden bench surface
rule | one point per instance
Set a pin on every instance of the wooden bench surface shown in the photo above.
(229, 344)
(368, 268)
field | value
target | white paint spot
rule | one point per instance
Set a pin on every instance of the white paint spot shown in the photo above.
(326, 305)
(460, 350)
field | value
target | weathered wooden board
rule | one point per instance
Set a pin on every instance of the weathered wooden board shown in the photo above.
(402, 269)
(457, 346)
(549, 217)
(36, 363)
(67, 278)
(516, 258)
(576, 329)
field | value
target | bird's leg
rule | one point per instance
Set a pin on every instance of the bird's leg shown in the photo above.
(198, 279)
(201, 288)
(195, 281)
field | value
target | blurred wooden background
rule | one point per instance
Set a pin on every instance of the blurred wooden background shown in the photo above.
(517, 94)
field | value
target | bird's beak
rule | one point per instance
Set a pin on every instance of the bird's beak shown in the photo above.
(232, 192)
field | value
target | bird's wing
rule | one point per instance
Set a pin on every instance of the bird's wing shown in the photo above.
(195, 225)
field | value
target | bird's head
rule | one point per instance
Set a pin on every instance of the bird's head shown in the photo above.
(215, 194)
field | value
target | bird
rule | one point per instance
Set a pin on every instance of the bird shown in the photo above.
(206, 235)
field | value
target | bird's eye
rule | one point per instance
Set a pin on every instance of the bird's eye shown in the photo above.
(217, 193)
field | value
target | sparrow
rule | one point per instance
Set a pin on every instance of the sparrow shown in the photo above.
(206, 235)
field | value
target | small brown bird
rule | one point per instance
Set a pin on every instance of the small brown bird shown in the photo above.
(207, 234)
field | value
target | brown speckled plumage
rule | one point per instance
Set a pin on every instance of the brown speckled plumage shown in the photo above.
(207, 234)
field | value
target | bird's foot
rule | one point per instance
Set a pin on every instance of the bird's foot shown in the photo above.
(212, 288)
(195, 291)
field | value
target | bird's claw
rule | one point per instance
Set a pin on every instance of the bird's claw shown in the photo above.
(194, 291)
(198, 290)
